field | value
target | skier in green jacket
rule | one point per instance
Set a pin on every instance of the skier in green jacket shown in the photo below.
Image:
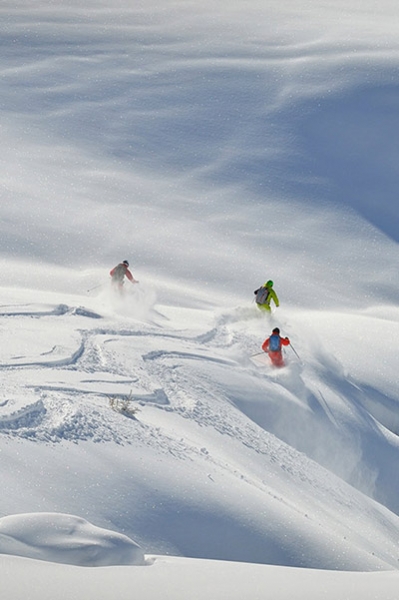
(264, 295)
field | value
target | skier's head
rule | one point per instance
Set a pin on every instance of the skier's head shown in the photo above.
(276, 330)
(269, 283)
(126, 262)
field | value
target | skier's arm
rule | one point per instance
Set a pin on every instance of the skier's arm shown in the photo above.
(265, 345)
(275, 298)
(130, 276)
(285, 341)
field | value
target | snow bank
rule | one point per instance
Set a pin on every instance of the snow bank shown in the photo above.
(66, 539)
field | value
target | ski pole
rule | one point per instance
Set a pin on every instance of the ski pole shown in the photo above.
(257, 354)
(295, 352)
(95, 287)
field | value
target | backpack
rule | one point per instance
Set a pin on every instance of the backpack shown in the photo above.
(119, 272)
(274, 343)
(262, 295)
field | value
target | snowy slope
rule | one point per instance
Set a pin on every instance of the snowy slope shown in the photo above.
(214, 147)
(193, 465)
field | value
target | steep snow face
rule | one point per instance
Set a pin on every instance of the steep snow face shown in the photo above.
(66, 539)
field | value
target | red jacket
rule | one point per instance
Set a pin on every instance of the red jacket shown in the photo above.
(276, 356)
(283, 342)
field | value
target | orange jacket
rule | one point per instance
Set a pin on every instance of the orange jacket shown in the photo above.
(276, 356)
(283, 342)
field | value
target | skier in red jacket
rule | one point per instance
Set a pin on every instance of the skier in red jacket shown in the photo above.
(119, 273)
(273, 346)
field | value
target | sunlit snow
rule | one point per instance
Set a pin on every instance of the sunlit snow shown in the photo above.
(148, 449)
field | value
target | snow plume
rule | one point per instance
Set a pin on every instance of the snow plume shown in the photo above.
(135, 302)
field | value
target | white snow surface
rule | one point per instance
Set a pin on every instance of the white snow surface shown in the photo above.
(66, 539)
(144, 451)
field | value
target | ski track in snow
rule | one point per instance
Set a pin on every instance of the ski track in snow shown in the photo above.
(72, 389)
(93, 356)
(75, 406)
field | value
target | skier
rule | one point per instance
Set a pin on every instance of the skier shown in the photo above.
(264, 295)
(272, 345)
(119, 273)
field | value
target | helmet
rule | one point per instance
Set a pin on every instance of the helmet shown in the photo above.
(276, 330)
(126, 262)
(269, 283)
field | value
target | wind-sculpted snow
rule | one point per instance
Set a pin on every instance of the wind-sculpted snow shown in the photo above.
(66, 539)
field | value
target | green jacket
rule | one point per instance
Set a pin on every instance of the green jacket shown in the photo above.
(271, 296)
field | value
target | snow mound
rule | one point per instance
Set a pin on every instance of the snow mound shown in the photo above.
(67, 539)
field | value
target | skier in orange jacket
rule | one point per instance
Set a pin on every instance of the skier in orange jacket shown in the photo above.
(273, 346)
(119, 273)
